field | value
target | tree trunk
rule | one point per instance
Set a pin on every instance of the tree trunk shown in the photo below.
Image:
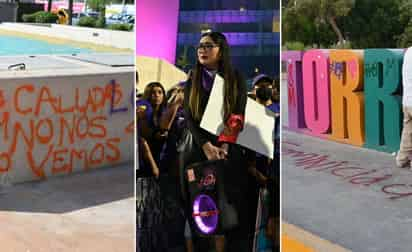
(102, 15)
(70, 11)
(49, 5)
(335, 28)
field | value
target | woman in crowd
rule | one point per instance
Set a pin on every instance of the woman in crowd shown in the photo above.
(172, 124)
(213, 58)
(155, 94)
(265, 172)
(149, 204)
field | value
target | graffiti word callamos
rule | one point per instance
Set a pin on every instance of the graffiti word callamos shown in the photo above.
(51, 132)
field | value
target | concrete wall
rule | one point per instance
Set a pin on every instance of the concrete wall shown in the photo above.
(76, 120)
(118, 39)
(154, 69)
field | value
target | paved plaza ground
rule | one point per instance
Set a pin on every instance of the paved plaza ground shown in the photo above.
(92, 211)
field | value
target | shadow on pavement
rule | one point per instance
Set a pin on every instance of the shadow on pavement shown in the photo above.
(72, 192)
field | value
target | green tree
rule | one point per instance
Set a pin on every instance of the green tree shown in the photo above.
(296, 27)
(368, 24)
(99, 6)
(373, 24)
(94, 4)
(405, 18)
(326, 11)
(300, 27)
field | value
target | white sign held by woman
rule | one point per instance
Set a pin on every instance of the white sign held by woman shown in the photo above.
(258, 131)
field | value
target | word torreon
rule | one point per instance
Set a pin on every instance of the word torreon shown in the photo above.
(349, 96)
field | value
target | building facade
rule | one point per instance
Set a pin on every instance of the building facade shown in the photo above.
(252, 29)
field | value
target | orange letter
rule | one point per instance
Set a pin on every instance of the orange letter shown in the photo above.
(130, 128)
(80, 155)
(99, 102)
(30, 89)
(64, 124)
(5, 123)
(28, 139)
(50, 132)
(101, 126)
(45, 97)
(80, 134)
(2, 99)
(114, 148)
(38, 171)
(7, 159)
(347, 103)
(100, 158)
(65, 167)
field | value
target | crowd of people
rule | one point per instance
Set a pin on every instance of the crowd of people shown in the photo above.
(170, 138)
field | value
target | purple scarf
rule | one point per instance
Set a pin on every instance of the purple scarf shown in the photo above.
(208, 77)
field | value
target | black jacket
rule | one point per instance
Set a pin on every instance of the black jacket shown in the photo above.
(200, 135)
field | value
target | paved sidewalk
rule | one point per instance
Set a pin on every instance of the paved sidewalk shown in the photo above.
(350, 196)
(91, 211)
(295, 239)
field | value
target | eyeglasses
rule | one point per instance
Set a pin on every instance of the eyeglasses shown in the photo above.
(261, 86)
(206, 46)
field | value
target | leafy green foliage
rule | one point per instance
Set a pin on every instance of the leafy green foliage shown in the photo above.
(121, 27)
(363, 24)
(101, 22)
(87, 21)
(298, 27)
(326, 11)
(40, 17)
(29, 18)
(294, 46)
(374, 24)
(405, 18)
(96, 5)
(46, 17)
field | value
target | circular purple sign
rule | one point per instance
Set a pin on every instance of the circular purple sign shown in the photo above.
(205, 213)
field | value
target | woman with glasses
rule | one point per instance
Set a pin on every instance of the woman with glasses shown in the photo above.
(213, 58)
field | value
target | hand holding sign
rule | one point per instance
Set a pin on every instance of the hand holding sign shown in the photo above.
(257, 133)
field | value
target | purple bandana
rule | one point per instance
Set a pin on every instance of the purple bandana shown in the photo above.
(208, 77)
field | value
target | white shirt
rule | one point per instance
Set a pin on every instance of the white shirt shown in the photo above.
(407, 78)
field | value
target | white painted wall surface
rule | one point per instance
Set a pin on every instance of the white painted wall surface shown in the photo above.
(155, 69)
(36, 118)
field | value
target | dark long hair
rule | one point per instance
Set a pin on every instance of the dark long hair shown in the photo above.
(225, 69)
(147, 95)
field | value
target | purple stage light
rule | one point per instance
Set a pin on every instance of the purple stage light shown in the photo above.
(205, 213)
(227, 16)
(235, 38)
